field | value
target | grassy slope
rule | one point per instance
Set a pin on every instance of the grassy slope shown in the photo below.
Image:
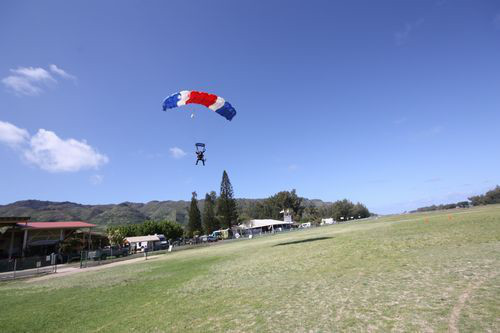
(433, 271)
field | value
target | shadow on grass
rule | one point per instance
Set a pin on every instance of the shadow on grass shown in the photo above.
(303, 241)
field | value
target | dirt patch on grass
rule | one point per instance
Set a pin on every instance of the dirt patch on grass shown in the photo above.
(455, 312)
(76, 270)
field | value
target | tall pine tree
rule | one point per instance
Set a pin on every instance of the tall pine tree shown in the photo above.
(226, 205)
(194, 224)
(209, 220)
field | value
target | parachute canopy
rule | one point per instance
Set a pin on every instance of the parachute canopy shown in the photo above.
(200, 147)
(213, 102)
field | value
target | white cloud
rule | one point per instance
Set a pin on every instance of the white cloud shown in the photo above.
(33, 73)
(177, 153)
(21, 85)
(54, 154)
(59, 71)
(49, 152)
(11, 135)
(96, 179)
(30, 81)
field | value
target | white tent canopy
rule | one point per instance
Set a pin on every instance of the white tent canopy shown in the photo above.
(262, 223)
(138, 239)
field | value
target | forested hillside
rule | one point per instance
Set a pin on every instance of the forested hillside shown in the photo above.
(104, 215)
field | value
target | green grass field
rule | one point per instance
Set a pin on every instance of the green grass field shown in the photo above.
(419, 272)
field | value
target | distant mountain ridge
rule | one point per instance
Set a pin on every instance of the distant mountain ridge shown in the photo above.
(103, 215)
(116, 214)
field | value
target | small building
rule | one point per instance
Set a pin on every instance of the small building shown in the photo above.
(328, 221)
(143, 243)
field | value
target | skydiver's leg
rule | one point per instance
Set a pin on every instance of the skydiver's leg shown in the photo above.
(203, 160)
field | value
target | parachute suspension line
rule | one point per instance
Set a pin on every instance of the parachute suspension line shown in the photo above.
(211, 101)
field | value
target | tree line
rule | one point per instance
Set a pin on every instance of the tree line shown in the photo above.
(461, 204)
(489, 198)
(218, 212)
(274, 206)
(222, 212)
(171, 230)
(340, 210)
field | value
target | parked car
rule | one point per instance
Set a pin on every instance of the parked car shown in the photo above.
(162, 244)
(109, 251)
(208, 239)
(190, 241)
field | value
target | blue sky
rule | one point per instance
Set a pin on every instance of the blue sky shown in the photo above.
(392, 103)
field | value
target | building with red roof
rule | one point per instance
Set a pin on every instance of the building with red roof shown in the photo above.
(55, 225)
(22, 238)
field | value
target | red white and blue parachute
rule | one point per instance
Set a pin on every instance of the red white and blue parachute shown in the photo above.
(213, 102)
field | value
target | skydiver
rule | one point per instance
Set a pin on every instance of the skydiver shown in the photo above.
(200, 157)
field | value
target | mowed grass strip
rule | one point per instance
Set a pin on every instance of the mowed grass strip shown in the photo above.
(426, 272)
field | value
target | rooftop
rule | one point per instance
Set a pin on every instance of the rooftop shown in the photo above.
(56, 225)
(149, 238)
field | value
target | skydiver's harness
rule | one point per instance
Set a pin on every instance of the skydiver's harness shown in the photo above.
(200, 158)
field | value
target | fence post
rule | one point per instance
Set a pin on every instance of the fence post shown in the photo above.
(15, 266)
(53, 261)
